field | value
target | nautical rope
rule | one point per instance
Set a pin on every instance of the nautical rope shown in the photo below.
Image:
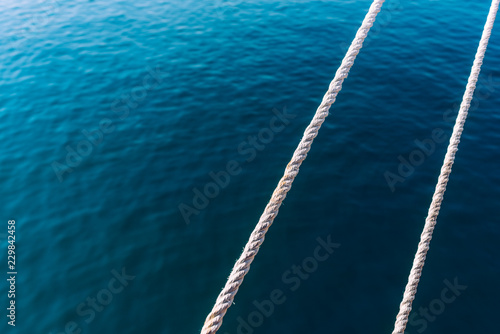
(241, 267)
(437, 198)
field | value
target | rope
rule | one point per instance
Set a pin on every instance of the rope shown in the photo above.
(437, 198)
(241, 267)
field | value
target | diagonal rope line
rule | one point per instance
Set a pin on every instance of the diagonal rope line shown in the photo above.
(242, 265)
(437, 198)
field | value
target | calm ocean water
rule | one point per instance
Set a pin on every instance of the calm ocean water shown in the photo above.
(116, 115)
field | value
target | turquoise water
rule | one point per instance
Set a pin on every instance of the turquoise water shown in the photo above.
(115, 115)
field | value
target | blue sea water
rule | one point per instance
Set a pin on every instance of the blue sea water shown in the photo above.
(115, 115)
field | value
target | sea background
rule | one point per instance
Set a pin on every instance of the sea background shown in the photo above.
(223, 70)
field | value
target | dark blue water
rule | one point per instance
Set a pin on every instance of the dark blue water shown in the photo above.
(115, 115)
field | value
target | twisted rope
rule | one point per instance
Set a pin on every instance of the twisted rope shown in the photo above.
(241, 267)
(437, 198)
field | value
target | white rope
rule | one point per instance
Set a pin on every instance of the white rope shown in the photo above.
(241, 267)
(430, 221)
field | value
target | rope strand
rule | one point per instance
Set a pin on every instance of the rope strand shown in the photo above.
(437, 198)
(242, 265)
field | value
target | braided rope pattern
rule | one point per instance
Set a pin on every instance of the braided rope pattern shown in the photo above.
(437, 198)
(226, 297)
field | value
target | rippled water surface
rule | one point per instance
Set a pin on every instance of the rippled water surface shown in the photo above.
(116, 115)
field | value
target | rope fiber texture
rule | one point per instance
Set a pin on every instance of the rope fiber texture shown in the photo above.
(437, 198)
(242, 265)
